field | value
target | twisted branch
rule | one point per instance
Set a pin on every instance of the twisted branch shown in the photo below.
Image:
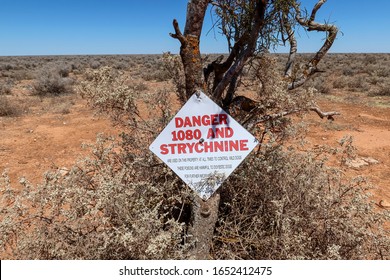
(311, 67)
(255, 118)
(178, 35)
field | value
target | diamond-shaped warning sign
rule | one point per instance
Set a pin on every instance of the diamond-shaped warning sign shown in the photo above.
(203, 145)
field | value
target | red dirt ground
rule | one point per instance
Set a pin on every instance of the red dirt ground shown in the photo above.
(34, 143)
(369, 127)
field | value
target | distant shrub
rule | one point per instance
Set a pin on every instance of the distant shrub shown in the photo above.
(7, 108)
(348, 72)
(159, 68)
(7, 67)
(107, 90)
(370, 59)
(322, 85)
(383, 72)
(50, 83)
(381, 90)
(340, 83)
(357, 83)
(64, 70)
(23, 75)
(95, 64)
(6, 88)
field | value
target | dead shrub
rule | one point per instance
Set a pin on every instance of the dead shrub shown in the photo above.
(7, 108)
(102, 209)
(381, 90)
(340, 83)
(294, 207)
(6, 88)
(50, 83)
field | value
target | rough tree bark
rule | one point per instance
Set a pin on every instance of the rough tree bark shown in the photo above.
(189, 49)
(204, 213)
(243, 49)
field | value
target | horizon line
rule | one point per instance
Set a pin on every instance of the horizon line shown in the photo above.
(174, 53)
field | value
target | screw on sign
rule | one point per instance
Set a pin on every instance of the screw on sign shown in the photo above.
(203, 145)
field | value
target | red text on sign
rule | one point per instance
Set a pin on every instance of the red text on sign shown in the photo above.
(223, 132)
(205, 147)
(189, 135)
(205, 120)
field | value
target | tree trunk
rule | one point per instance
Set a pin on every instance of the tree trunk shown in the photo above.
(204, 213)
(189, 49)
(205, 216)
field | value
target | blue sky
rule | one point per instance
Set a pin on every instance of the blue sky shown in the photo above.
(51, 27)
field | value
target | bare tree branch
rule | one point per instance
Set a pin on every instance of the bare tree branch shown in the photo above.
(255, 118)
(220, 68)
(315, 9)
(311, 67)
(382, 205)
(178, 35)
(293, 46)
(322, 115)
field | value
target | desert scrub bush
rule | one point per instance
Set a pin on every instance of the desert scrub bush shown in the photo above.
(64, 69)
(112, 92)
(106, 207)
(6, 87)
(175, 72)
(50, 82)
(323, 86)
(353, 83)
(340, 83)
(108, 90)
(7, 108)
(294, 207)
(357, 83)
(95, 64)
(155, 69)
(381, 90)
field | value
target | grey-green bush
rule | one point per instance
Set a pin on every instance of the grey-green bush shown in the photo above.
(50, 82)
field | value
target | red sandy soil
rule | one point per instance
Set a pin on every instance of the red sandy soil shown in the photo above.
(369, 127)
(42, 139)
(48, 136)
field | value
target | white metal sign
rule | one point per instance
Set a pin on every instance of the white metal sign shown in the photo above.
(203, 145)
